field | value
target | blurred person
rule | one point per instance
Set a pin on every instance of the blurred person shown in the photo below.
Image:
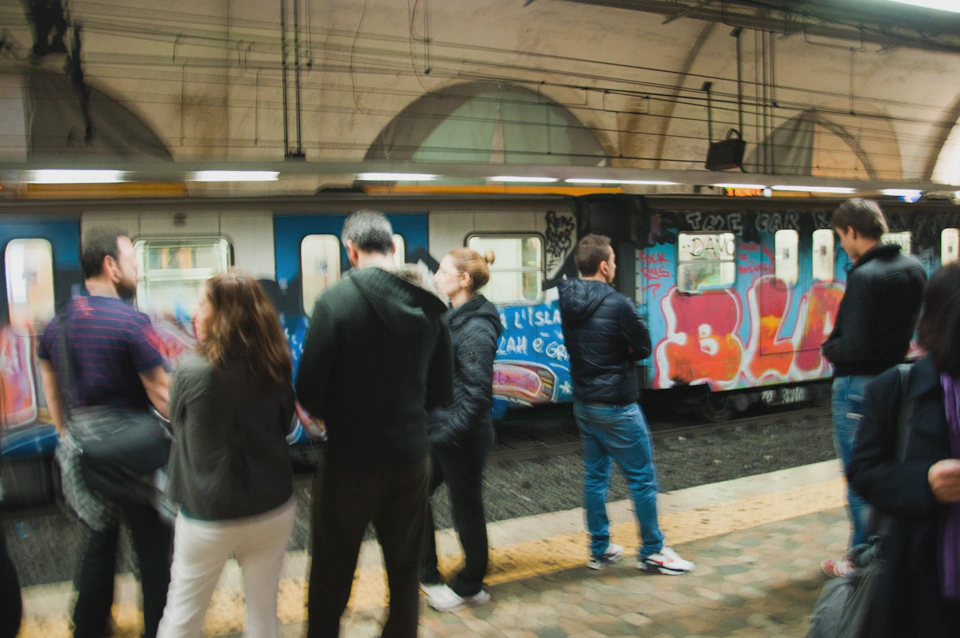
(604, 336)
(231, 406)
(376, 357)
(117, 361)
(461, 434)
(870, 335)
(919, 589)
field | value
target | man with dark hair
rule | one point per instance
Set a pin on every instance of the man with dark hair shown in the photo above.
(376, 357)
(874, 325)
(117, 361)
(604, 336)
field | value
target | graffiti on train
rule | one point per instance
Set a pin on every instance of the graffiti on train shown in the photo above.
(532, 364)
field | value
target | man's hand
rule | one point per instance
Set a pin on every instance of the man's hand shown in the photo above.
(944, 479)
(315, 427)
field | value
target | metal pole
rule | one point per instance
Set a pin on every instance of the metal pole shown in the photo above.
(296, 70)
(283, 72)
(736, 33)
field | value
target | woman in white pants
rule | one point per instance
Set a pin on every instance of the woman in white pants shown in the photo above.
(230, 407)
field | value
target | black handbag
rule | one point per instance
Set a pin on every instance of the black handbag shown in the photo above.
(117, 448)
(845, 604)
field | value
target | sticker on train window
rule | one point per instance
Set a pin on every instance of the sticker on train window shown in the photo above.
(903, 239)
(706, 261)
(949, 245)
(786, 260)
(29, 268)
(319, 267)
(823, 262)
(516, 274)
(172, 271)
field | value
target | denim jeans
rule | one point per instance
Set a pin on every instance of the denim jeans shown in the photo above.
(847, 412)
(619, 433)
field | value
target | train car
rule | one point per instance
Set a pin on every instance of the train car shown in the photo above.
(738, 293)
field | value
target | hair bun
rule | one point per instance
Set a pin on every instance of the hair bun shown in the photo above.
(489, 256)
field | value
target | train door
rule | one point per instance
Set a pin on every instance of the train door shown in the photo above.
(310, 258)
(41, 262)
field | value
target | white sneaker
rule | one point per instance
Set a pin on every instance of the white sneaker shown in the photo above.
(666, 561)
(613, 555)
(442, 598)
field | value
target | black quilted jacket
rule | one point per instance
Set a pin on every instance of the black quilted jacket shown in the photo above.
(465, 422)
(604, 336)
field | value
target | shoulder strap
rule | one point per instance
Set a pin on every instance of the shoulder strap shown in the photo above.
(906, 410)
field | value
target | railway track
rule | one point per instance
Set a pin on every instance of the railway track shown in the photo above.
(536, 449)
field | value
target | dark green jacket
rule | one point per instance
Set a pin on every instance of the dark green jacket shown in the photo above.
(376, 357)
(230, 457)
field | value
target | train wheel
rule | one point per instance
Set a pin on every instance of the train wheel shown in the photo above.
(716, 407)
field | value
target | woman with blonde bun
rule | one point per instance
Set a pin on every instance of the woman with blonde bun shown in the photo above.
(461, 434)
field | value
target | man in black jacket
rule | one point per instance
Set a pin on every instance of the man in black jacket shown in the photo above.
(872, 333)
(377, 356)
(604, 336)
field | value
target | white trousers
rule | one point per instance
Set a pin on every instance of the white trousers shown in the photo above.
(200, 550)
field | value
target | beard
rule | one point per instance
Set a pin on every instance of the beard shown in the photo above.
(125, 291)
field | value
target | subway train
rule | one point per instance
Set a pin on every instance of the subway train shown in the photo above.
(738, 293)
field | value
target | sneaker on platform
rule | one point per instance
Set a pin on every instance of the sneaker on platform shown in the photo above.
(442, 598)
(666, 561)
(613, 555)
(837, 567)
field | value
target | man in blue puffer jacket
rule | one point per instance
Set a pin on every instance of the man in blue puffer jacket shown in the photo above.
(605, 336)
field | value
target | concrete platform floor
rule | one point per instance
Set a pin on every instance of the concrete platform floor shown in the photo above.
(757, 542)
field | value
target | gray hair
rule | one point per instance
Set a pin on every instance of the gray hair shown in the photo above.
(370, 230)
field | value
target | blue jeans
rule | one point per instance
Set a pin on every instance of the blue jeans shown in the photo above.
(847, 412)
(620, 433)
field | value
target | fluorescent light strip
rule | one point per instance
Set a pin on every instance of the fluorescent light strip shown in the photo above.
(235, 176)
(902, 192)
(757, 186)
(636, 182)
(520, 178)
(396, 177)
(72, 176)
(942, 5)
(816, 189)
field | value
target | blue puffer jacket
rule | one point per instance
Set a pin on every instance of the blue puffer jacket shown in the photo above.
(604, 336)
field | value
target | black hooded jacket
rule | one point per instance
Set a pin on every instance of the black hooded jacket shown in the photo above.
(604, 336)
(377, 356)
(878, 313)
(466, 421)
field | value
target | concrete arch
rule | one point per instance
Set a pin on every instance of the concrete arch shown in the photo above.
(943, 160)
(493, 122)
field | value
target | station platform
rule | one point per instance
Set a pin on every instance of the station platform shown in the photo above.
(757, 542)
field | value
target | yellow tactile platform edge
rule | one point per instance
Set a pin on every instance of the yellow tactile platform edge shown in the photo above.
(508, 563)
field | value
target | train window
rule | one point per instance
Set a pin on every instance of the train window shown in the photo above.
(706, 261)
(516, 275)
(823, 263)
(949, 245)
(400, 250)
(903, 238)
(786, 260)
(319, 267)
(172, 270)
(29, 266)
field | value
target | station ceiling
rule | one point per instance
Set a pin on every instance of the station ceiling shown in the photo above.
(889, 24)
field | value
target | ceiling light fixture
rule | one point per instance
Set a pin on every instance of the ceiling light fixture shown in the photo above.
(73, 176)
(633, 182)
(235, 176)
(902, 192)
(521, 178)
(754, 186)
(839, 190)
(396, 177)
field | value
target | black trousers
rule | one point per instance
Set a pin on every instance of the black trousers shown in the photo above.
(11, 604)
(153, 543)
(463, 472)
(345, 501)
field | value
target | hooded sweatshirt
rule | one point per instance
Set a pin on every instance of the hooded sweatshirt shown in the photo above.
(466, 422)
(376, 357)
(604, 335)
